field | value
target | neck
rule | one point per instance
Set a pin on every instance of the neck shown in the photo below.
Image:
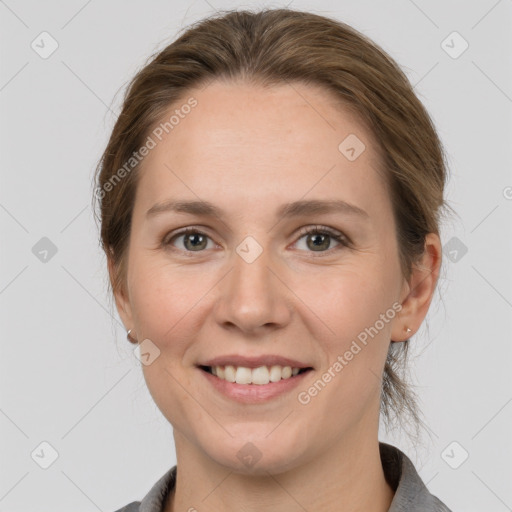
(348, 478)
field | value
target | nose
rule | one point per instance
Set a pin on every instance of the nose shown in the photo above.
(253, 296)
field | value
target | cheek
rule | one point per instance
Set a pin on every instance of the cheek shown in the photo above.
(166, 304)
(348, 298)
(355, 310)
(163, 299)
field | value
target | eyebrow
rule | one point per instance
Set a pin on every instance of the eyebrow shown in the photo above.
(287, 210)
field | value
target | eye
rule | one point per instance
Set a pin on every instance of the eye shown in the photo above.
(193, 240)
(320, 237)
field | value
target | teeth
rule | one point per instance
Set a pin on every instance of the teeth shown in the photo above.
(275, 373)
(259, 376)
(243, 375)
(230, 373)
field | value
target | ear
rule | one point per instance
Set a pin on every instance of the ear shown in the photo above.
(417, 293)
(121, 297)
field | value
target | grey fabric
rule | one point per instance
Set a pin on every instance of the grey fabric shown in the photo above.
(411, 494)
(132, 507)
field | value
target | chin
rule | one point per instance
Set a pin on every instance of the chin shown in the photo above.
(257, 455)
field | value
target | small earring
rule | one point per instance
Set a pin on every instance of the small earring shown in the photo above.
(130, 339)
(408, 330)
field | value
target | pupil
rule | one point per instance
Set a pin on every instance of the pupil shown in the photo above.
(315, 240)
(195, 242)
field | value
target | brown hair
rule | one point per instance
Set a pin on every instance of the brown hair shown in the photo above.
(277, 46)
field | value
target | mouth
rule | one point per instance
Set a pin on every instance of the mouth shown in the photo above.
(259, 376)
(253, 379)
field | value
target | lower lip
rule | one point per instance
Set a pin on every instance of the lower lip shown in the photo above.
(254, 393)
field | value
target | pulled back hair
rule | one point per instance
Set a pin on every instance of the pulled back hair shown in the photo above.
(274, 47)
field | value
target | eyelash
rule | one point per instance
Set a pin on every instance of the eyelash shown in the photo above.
(322, 230)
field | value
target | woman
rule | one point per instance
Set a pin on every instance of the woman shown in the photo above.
(270, 201)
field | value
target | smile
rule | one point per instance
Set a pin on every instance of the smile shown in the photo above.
(253, 385)
(258, 376)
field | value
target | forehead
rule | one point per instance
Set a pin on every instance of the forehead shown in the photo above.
(286, 140)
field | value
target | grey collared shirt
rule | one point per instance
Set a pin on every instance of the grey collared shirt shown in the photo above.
(411, 494)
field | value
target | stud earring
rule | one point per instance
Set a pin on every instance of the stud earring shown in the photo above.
(408, 330)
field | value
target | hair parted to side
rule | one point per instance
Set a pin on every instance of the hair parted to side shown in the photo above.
(274, 47)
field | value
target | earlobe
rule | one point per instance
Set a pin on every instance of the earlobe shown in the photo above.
(408, 334)
(422, 285)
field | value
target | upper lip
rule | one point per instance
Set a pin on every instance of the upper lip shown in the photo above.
(253, 362)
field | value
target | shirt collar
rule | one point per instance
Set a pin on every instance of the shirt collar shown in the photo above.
(411, 494)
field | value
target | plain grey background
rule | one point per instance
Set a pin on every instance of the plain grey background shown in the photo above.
(69, 377)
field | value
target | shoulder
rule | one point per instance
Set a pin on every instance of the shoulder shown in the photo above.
(155, 499)
(132, 507)
(411, 494)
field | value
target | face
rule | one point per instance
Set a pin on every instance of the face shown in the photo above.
(250, 282)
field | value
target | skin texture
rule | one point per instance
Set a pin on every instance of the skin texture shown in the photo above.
(248, 150)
